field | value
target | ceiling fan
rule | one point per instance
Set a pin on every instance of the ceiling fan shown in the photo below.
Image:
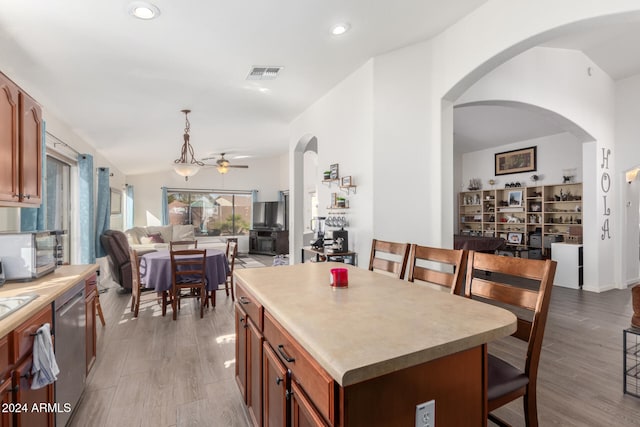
(223, 165)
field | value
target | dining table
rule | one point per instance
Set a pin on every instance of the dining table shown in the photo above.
(155, 269)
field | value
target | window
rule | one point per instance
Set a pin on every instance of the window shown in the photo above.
(58, 201)
(214, 213)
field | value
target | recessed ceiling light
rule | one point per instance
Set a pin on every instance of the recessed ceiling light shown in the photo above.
(340, 29)
(143, 10)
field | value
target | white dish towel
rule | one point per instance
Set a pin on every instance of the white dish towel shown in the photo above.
(44, 369)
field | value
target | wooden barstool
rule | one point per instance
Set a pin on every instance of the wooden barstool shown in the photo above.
(99, 309)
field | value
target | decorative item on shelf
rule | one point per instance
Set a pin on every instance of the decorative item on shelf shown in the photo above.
(492, 182)
(535, 207)
(334, 171)
(334, 199)
(513, 185)
(535, 178)
(341, 202)
(182, 165)
(475, 184)
(515, 198)
(336, 221)
(514, 238)
(327, 175)
(568, 175)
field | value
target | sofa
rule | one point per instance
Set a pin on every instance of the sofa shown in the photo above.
(158, 237)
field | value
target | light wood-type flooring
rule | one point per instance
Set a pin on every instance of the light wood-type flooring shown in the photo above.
(153, 371)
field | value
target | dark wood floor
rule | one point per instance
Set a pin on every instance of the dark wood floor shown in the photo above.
(152, 371)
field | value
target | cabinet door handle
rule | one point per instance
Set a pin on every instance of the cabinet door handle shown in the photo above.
(279, 380)
(284, 355)
(28, 196)
(244, 300)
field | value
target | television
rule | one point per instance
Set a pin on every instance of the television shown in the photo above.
(269, 216)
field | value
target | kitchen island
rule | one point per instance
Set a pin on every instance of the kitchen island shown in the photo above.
(362, 355)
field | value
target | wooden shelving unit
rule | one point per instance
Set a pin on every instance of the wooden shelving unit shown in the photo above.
(515, 213)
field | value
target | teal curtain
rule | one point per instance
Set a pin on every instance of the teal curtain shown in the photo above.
(103, 209)
(85, 209)
(32, 219)
(128, 221)
(165, 207)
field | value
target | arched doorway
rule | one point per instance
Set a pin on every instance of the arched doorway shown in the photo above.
(306, 144)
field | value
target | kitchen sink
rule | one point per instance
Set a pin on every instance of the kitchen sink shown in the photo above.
(9, 305)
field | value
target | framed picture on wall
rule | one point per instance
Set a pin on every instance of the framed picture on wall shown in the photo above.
(516, 161)
(334, 171)
(116, 201)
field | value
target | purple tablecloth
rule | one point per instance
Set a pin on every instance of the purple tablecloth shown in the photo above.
(155, 269)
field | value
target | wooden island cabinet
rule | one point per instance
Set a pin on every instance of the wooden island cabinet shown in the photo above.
(364, 355)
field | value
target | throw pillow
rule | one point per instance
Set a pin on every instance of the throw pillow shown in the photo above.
(156, 238)
(145, 240)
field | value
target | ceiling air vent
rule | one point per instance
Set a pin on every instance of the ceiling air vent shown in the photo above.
(264, 73)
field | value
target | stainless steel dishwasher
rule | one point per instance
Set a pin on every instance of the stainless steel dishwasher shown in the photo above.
(69, 343)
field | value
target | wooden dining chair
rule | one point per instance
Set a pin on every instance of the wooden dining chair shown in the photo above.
(175, 245)
(136, 283)
(524, 287)
(232, 254)
(389, 257)
(188, 271)
(442, 267)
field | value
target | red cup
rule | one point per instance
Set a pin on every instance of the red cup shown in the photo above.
(339, 277)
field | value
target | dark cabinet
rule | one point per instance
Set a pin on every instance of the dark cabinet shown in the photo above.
(30, 402)
(303, 413)
(27, 400)
(267, 242)
(249, 339)
(20, 147)
(6, 400)
(91, 293)
(241, 351)
(275, 385)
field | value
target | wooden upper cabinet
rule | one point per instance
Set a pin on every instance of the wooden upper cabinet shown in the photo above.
(8, 140)
(20, 147)
(30, 150)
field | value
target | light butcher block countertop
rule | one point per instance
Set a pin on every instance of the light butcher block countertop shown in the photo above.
(377, 324)
(48, 288)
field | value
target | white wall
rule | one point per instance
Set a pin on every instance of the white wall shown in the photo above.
(554, 153)
(267, 175)
(627, 135)
(406, 182)
(342, 122)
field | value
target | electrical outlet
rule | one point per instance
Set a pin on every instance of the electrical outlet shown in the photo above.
(426, 414)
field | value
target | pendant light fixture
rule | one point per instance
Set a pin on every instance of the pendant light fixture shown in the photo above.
(182, 166)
